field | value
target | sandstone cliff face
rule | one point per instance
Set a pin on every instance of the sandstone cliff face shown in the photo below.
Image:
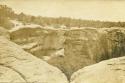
(72, 49)
(39, 41)
(95, 44)
(84, 47)
(17, 65)
(109, 71)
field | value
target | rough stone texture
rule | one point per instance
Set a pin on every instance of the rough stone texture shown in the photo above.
(109, 71)
(39, 41)
(81, 47)
(86, 46)
(4, 32)
(8, 75)
(27, 67)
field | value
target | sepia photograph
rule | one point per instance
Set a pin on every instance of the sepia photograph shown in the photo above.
(62, 41)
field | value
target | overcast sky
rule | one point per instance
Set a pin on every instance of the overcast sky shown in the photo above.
(111, 10)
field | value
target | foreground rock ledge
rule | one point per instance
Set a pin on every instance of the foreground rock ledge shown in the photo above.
(25, 67)
(8, 75)
(109, 71)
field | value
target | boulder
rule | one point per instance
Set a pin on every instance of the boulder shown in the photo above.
(108, 71)
(27, 67)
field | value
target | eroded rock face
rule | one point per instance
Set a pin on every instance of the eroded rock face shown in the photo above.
(84, 47)
(109, 71)
(39, 41)
(25, 66)
(72, 49)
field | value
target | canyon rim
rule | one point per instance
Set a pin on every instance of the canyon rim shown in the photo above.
(62, 41)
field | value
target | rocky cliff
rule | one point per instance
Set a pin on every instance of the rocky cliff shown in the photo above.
(88, 46)
(39, 41)
(72, 49)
